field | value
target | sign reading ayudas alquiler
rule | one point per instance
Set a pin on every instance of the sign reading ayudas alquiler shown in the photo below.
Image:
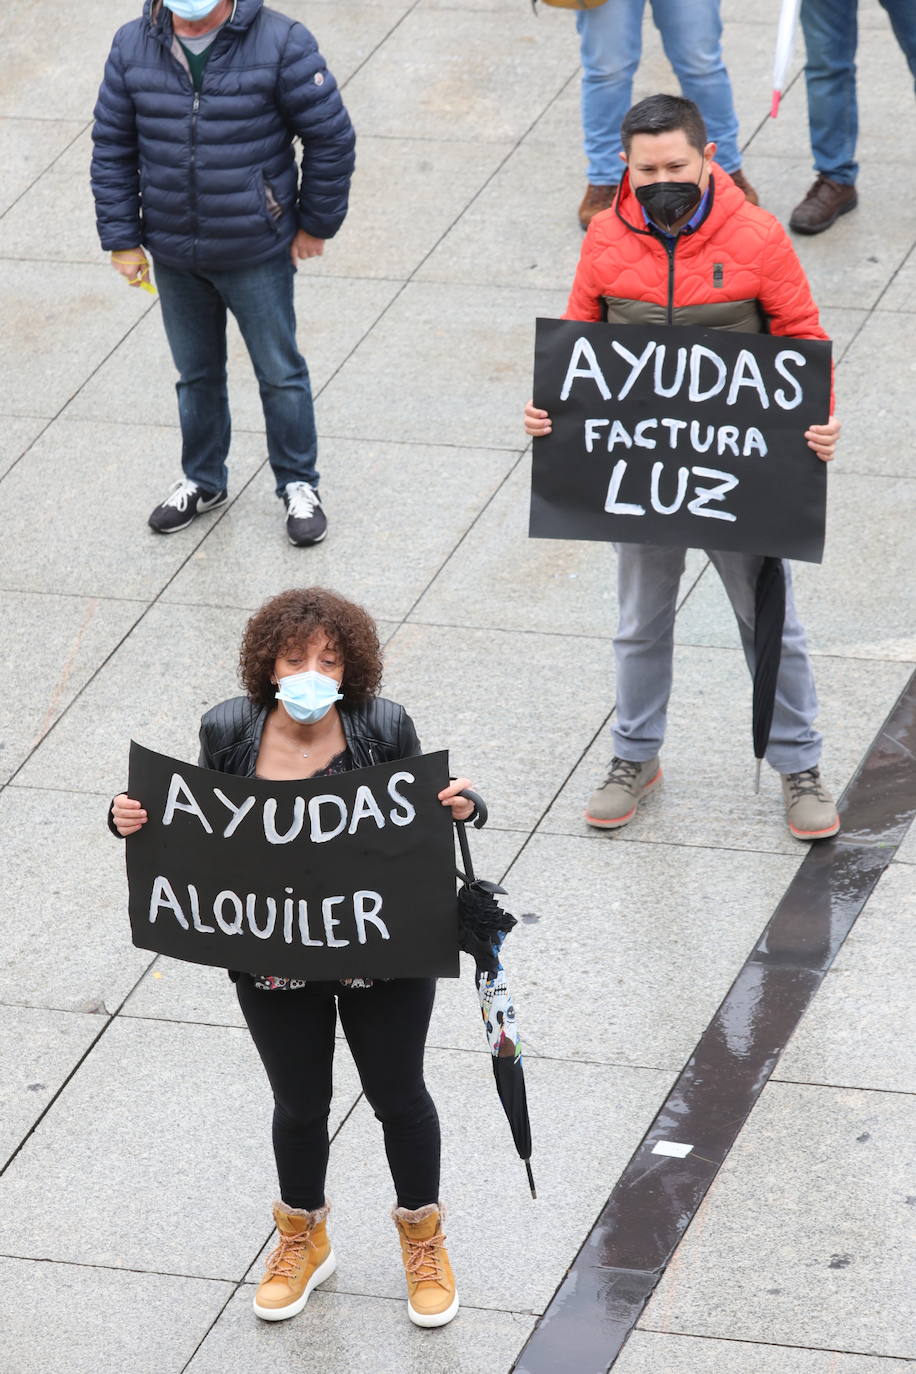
(680, 436)
(335, 877)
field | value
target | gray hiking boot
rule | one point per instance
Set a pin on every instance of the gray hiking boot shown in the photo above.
(810, 809)
(615, 801)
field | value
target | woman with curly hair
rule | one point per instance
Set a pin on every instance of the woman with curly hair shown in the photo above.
(311, 667)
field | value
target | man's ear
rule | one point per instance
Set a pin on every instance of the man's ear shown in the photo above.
(622, 155)
(709, 152)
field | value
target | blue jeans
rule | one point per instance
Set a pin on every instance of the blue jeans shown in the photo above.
(611, 46)
(194, 306)
(831, 35)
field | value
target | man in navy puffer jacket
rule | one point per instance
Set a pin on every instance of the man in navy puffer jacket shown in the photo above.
(194, 159)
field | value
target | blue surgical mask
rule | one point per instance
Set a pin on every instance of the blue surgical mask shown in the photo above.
(192, 10)
(308, 696)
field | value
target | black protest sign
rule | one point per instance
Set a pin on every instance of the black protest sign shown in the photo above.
(680, 436)
(346, 876)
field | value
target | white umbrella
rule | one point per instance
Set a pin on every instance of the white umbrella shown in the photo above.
(785, 42)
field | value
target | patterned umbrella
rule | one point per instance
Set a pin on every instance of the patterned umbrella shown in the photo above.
(483, 926)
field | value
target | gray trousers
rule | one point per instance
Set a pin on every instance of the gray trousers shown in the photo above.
(647, 582)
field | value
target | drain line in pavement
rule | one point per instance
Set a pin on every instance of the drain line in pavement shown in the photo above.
(598, 1303)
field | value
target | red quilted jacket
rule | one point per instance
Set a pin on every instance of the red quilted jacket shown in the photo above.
(739, 255)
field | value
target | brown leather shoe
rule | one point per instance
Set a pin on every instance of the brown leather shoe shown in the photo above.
(744, 185)
(596, 198)
(822, 206)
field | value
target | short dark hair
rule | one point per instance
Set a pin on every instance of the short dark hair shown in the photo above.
(662, 114)
(290, 620)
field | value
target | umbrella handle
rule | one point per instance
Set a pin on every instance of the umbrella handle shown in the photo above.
(481, 813)
(478, 819)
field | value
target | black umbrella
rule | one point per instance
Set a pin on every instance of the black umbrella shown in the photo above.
(769, 620)
(483, 926)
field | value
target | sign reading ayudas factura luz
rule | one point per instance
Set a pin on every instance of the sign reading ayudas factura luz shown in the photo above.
(680, 436)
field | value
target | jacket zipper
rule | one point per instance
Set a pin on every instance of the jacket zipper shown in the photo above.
(195, 218)
(670, 245)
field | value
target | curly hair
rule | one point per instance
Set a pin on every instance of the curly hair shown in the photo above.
(289, 620)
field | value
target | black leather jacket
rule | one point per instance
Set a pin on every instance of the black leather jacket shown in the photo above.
(378, 731)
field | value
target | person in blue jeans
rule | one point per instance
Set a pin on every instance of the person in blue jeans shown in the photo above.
(194, 160)
(610, 39)
(831, 32)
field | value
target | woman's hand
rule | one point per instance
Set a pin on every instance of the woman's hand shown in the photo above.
(462, 808)
(537, 422)
(823, 438)
(128, 815)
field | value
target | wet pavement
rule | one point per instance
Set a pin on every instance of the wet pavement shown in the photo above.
(718, 1021)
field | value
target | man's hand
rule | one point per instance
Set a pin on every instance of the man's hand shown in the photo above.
(304, 246)
(823, 438)
(537, 422)
(133, 264)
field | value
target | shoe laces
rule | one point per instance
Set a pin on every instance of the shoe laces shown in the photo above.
(301, 500)
(622, 771)
(424, 1259)
(180, 494)
(807, 783)
(287, 1259)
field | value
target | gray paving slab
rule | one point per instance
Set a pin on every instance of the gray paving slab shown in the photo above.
(623, 909)
(71, 1319)
(63, 640)
(345, 1334)
(586, 1121)
(17, 432)
(707, 797)
(860, 1031)
(60, 197)
(873, 390)
(467, 81)
(127, 469)
(519, 754)
(44, 307)
(859, 602)
(425, 496)
(27, 148)
(463, 356)
(492, 243)
(900, 293)
(805, 1237)
(37, 1050)
(489, 579)
(43, 75)
(907, 851)
(160, 1153)
(647, 1352)
(850, 265)
(73, 886)
(333, 315)
(147, 692)
(406, 193)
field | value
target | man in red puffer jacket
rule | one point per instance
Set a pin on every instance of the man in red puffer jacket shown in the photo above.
(682, 245)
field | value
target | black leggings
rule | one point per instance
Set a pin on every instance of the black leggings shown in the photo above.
(386, 1027)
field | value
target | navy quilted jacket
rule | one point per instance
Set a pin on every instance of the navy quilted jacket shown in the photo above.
(210, 181)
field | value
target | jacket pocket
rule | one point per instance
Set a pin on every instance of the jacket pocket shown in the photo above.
(270, 206)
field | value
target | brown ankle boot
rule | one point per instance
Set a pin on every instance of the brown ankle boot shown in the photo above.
(302, 1259)
(432, 1298)
(596, 198)
(822, 206)
(744, 185)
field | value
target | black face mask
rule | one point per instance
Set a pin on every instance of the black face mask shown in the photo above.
(665, 202)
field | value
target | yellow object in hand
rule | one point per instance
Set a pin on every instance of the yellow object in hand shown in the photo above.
(143, 282)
